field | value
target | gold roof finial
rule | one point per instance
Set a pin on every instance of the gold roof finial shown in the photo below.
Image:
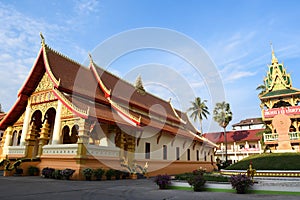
(42, 39)
(274, 59)
(91, 58)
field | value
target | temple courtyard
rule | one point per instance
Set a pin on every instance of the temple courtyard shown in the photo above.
(28, 187)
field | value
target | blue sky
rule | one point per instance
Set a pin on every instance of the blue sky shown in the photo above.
(235, 34)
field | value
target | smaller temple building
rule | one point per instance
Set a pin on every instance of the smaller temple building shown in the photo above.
(240, 144)
(280, 109)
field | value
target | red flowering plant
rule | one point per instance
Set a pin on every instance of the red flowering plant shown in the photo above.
(67, 173)
(197, 180)
(241, 183)
(163, 181)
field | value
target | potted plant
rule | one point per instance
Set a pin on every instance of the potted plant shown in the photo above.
(98, 173)
(57, 174)
(109, 173)
(33, 171)
(88, 173)
(196, 180)
(67, 173)
(47, 172)
(118, 174)
(125, 175)
(163, 181)
(241, 183)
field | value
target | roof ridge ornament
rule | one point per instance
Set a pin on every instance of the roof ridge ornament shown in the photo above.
(91, 58)
(274, 59)
(42, 39)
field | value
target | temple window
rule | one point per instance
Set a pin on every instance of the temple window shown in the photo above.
(188, 154)
(165, 152)
(197, 155)
(281, 104)
(74, 134)
(177, 153)
(147, 150)
(19, 138)
(13, 141)
(66, 135)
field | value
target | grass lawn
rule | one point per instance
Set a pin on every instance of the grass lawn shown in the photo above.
(269, 161)
(233, 191)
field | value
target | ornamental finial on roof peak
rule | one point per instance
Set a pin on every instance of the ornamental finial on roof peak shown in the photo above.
(42, 39)
(91, 58)
(274, 59)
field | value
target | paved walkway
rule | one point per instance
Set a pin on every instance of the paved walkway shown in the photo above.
(39, 188)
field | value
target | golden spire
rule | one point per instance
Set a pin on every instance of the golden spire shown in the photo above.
(274, 59)
(42, 39)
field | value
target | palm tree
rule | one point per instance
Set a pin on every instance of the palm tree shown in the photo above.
(199, 110)
(261, 88)
(223, 115)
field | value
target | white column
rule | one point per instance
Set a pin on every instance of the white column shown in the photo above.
(259, 146)
(8, 136)
(25, 124)
(57, 124)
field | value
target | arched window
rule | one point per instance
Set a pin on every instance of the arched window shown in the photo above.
(50, 115)
(36, 118)
(14, 139)
(19, 138)
(74, 135)
(66, 135)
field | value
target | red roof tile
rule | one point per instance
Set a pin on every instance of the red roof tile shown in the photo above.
(234, 136)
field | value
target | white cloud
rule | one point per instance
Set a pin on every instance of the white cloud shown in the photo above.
(19, 45)
(87, 6)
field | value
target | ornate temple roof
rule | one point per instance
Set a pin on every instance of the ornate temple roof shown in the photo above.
(277, 82)
(96, 94)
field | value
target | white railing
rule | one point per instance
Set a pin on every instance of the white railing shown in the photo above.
(239, 151)
(94, 150)
(14, 150)
(60, 149)
(274, 136)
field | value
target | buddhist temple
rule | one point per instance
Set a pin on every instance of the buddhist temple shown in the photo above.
(280, 109)
(71, 116)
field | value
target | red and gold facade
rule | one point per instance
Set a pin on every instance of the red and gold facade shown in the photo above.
(71, 116)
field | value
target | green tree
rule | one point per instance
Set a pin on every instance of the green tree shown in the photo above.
(223, 115)
(199, 110)
(261, 88)
(139, 85)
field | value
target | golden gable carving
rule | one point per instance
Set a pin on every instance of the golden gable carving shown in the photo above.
(44, 84)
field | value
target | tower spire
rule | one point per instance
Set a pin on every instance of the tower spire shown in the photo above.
(274, 59)
(42, 39)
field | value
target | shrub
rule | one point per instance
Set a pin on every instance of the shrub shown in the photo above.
(33, 170)
(98, 173)
(241, 183)
(57, 174)
(47, 172)
(163, 181)
(109, 173)
(118, 174)
(88, 172)
(197, 180)
(67, 173)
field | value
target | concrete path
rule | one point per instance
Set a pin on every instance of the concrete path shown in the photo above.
(39, 188)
